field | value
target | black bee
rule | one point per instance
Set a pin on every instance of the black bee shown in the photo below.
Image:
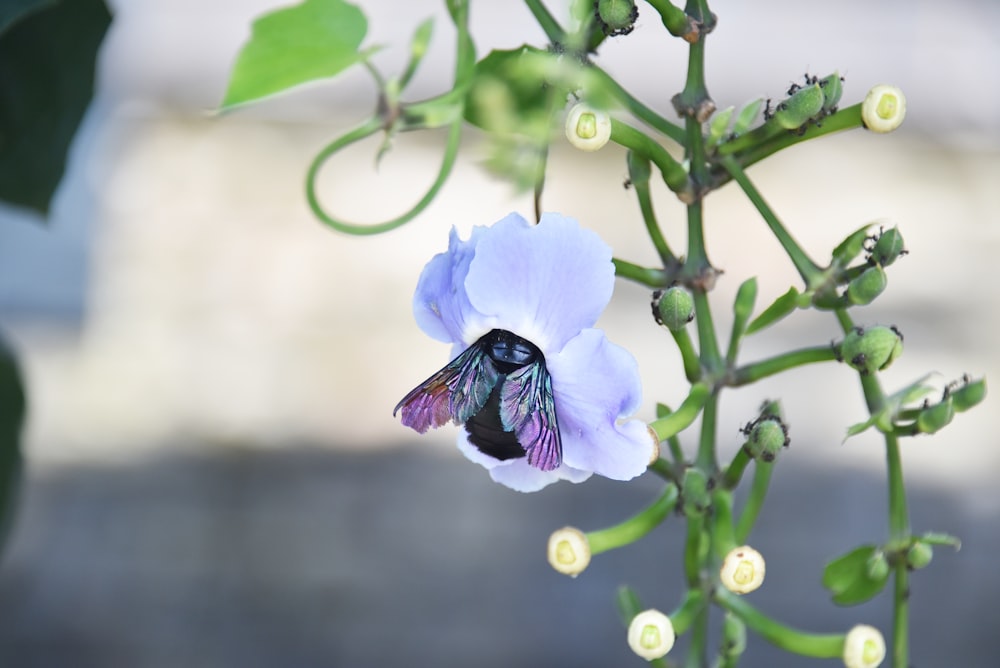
(501, 391)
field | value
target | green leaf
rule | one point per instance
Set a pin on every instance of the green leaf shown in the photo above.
(718, 125)
(11, 421)
(781, 307)
(47, 59)
(748, 114)
(849, 578)
(418, 49)
(312, 40)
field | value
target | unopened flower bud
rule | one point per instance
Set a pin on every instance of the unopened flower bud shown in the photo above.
(864, 647)
(919, 555)
(617, 17)
(587, 128)
(695, 492)
(651, 634)
(673, 307)
(888, 247)
(742, 570)
(872, 349)
(866, 287)
(797, 110)
(969, 394)
(877, 566)
(883, 109)
(569, 551)
(766, 437)
(833, 88)
(937, 416)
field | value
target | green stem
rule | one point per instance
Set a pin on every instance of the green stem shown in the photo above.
(639, 172)
(755, 501)
(736, 469)
(692, 552)
(654, 278)
(674, 423)
(365, 130)
(811, 273)
(901, 616)
(698, 649)
(636, 526)
(674, 19)
(706, 458)
(637, 108)
(821, 646)
(692, 364)
(755, 371)
(711, 360)
(684, 616)
(723, 536)
(770, 138)
(674, 174)
(546, 21)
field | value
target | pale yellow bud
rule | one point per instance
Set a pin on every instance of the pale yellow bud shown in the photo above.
(654, 453)
(651, 634)
(864, 647)
(587, 128)
(884, 108)
(742, 570)
(569, 551)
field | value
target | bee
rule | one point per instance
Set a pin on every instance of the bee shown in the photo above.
(501, 391)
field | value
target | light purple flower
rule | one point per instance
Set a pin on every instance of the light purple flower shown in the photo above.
(546, 284)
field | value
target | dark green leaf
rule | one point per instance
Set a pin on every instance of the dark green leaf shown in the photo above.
(312, 40)
(12, 11)
(11, 421)
(851, 247)
(47, 59)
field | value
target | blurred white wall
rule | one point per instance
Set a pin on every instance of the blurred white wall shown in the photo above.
(213, 308)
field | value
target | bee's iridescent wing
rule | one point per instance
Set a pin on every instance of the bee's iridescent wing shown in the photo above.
(528, 408)
(456, 392)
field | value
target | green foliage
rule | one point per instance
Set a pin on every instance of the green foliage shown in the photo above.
(852, 579)
(47, 61)
(315, 39)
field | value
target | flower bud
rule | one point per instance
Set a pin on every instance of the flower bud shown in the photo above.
(797, 110)
(866, 287)
(673, 308)
(864, 647)
(833, 88)
(888, 247)
(742, 570)
(936, 417)
(695, 492)
(587, 128)
(616, 17)
(919, 555)
(766, 436)
(883, 109)
(651, 634)
(569, 551)
(969, 394)
(877, 566)
(872, 349)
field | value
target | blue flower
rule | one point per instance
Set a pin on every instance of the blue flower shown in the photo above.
(518, 302)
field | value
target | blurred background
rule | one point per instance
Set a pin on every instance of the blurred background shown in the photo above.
(214, 476)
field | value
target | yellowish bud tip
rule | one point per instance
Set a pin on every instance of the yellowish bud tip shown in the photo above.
(586, 128)
(864, 647)
(569, 551)
(884, 108)
(654, 454)
(651, 634)
(742, 570)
